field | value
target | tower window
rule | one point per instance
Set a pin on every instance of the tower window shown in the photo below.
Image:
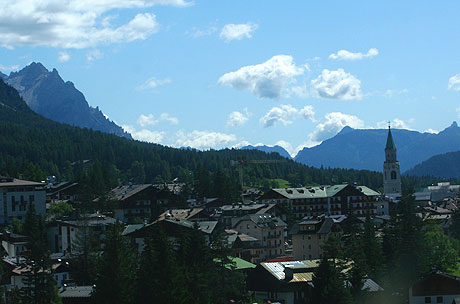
(393, 174)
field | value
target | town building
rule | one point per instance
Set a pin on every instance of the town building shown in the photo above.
(174, 228)
(289, 282)
(443, 190)
(331, 200)
(309, 235)
(436, 287)
(228, 215)
(143, 202)
(268, 230)
(391, 170)
(17, 195)
(65, 236)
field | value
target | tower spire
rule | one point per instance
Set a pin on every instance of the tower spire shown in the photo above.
(390, 142)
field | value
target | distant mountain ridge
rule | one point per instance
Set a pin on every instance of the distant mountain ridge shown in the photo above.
(48, 95)
(267, 149)
(364, 148)
(444, 165)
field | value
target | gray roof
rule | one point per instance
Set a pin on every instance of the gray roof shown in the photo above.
(320, 191)
(131, 228)
(90, 221)
(123, 192)
(76, 292)
(14, 182)
(263, 220)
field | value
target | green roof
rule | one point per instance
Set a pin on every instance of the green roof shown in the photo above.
(390, 143)
(238, 264)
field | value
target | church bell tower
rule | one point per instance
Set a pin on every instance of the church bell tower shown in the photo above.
(391, 171)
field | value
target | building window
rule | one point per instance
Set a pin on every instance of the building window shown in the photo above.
(439, 299)
(393, 174)
(427, 299)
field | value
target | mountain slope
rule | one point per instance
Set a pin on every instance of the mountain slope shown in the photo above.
(364, 148)
(277, 149)
(28, 137)
(48, 95)
(445, 165)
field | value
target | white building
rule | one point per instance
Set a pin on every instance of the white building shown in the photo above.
(16, 196)
(437, 287)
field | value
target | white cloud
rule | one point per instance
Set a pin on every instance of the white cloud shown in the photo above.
(390, 93)
(432, 131)
(334, 122)
(347, 55)
(93, 55)
(64, 57)
(454, 83)
(204, 139)
(286, 114)
(5, 68)
(337, 85)
(243, 143)
(146, 120)
(196, 32)
(171, 119)
(149, 120)
(266, 80)
(308, 112)
(75, 23)
(236, 119)
(395, 124)
(237, 31)
(145, 135)
(458, 111)
(153, 83)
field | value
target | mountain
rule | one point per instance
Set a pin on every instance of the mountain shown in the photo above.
(27, 137)
(3, 76)
(443, 165)
(364, 148)
(267, 149)
(47, 94)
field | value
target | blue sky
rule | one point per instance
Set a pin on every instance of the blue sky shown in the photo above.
(213, 74)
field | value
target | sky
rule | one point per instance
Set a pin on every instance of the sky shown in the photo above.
(228, 73)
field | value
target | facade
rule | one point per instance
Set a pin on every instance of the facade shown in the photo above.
(268, 230)
(309, 235)
(289, 282)
(230, 214)
(174, 229)
(15, 197)
(436, 287)
(329, 200)
(63, 235)
(144, 201)
(391, 170)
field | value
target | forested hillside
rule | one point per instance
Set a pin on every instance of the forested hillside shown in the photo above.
(29, 142)
(444, 165)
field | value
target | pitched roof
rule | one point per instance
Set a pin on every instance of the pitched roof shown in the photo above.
(183, 214)
(263, 220)
(390, 143)
(320, 191)
(123, 192)
(14, 182)
(76, 292)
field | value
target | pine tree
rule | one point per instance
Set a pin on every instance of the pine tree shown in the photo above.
(328, 285)
(116, 270)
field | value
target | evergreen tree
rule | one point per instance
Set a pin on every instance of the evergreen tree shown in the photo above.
(39, 284)
(115, 282)
(371, 249)
(328, 284)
